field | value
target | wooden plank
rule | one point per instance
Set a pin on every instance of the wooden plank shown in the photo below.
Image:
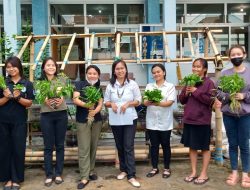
(40, 52)
(65, 60)
(25, 45)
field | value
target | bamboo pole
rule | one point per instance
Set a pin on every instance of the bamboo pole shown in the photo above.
(144, 61)
(165, 41)
(24, 46)
(117, 44)
(137, 47)
(65, 60)
(218, 114)
(155, 33)
(40, 52)
(191, 44)
(32, 56)
(91, 47)
(206, 45)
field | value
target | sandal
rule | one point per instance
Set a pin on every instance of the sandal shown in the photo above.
(199, 181)
(58, 180)
(153, 172)
(245, 183)
(232, 180)
(48, 182)
(190, 179)
(166, 173)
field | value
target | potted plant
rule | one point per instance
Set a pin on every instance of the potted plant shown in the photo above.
(71, 138)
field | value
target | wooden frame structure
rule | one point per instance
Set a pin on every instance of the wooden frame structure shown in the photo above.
(217, 58)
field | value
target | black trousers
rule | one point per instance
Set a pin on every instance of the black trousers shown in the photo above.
(12, 151)
(54, 127)
(124, 139)
(160, 138)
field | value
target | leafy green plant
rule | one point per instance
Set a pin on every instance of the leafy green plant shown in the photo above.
(58, 87)
(92, 95)
(2, 83)
(191, 80)
(232, 84)
(18, 87)
(153, 95)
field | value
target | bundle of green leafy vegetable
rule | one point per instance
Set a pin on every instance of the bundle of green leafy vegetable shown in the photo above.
(153, 95)
(232, 84)
(56, 88)
(92, 95)
(191, 80)
(2, 83)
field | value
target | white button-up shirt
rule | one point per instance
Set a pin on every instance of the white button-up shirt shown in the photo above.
(161, 118)
(122, 94)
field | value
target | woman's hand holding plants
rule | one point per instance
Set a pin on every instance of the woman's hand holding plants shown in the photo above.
(16, 93)
(92, 112)
(7, 93)
(58, 101)
(190, 89)
(239, 96)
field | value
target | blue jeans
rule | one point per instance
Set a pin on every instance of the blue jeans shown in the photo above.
(54, 126)
(238, 130)
(124, 136)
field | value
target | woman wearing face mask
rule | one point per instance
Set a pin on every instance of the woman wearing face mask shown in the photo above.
(197, 121)
(237, 124)
(54, 121)
(87, 135)
(13, 126)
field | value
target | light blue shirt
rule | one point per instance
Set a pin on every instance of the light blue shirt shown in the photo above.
(120, 95)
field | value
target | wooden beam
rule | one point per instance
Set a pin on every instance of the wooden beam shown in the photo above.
(32, 55)
(65, 60)
(117, 44)
(20, 54)
(40, 52)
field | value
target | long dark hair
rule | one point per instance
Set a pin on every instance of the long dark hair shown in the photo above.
(43, 74)
(113, 76)
(15, 62)
(161, 66)
(204, 64)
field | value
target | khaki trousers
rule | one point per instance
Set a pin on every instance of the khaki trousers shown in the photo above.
(87, 137)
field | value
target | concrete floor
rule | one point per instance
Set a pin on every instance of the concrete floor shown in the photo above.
(34, 178)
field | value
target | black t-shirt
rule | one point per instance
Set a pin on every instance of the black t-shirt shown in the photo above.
(12, 111)
(82, 113)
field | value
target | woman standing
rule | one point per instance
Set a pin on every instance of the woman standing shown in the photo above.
(54, 121)
(121, 97)
(87, 135)
(159, 120)
(13, 126)
(197, 121)
(237, 124)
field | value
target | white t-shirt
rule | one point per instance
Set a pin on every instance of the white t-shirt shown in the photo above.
(161, 118)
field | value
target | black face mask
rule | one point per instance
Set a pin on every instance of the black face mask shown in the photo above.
(237, 61)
